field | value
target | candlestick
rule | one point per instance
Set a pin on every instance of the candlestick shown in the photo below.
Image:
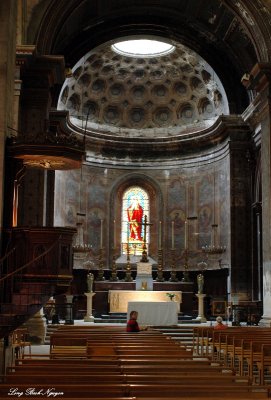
(114, 233)
(185, 235)
(114, 274)
(100, 276)
(172, 235)
(173, 272)
(160, 277)
(160, 235)
(128, 234)
(101, 243)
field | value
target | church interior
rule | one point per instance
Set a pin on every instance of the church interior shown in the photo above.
(135, 162)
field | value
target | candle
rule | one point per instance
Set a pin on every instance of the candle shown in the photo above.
(185, 234)
(172, 235)
(160, 234)
(128, 245)
(101, 244)
(114, 234)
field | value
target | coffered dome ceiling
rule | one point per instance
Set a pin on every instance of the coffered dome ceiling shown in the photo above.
(135, 95)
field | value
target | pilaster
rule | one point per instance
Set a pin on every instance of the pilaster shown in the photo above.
(39, 75)
(240, 214)
(260, 81)
(8, 16)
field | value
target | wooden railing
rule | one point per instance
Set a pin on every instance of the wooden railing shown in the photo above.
(25, 289)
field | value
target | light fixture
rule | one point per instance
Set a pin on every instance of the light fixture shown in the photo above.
(80, 246)
(214, 247)
(202, 266)
(55, 150)
(44, 163)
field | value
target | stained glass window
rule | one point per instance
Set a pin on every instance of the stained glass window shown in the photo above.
(135, 206)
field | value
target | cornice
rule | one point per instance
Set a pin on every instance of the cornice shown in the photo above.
(206, 146)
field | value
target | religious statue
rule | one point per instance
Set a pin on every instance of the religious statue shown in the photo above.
(90, 279)
(200, 281)
(135, 214)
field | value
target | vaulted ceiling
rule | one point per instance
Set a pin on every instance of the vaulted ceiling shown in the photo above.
(230, 35)
(139, 95)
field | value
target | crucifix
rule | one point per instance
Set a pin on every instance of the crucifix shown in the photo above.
(144, 252)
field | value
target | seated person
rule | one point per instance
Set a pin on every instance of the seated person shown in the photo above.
(132, 324)
(219, 323)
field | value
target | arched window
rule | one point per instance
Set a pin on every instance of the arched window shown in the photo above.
(135, 205)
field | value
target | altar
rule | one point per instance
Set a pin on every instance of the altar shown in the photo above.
(155, 312)
(119, 299)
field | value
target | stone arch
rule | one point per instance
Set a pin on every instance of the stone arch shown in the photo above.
(45, 31)
(249, 22)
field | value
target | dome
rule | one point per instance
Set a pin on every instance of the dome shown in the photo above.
(151, 94)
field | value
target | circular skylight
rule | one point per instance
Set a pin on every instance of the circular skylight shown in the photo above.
(142, 48)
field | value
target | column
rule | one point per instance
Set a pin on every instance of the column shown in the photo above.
(89, 317)
(259, 81)
(201, 316)
(69, 310)
(8, 17)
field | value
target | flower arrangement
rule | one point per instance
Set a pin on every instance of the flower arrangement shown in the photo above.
(171, 295)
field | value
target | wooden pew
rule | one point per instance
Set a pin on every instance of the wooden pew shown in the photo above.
(245, 345)
(140, 391)
(190, 396)
(196, 390)
(103, 390)
(157, 375)
(155, 379)
(63, 361)
(117, 369)
(201, 340)
(73, 346)
(78, 369)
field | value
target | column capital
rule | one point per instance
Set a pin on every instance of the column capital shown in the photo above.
(259, 77)
(258, 81)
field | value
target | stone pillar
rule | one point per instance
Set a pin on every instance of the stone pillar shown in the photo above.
(69, 310)
(35, 207)
(8, 16)
(240, 212)
(201, 316)
(89, 317)
(259, 81)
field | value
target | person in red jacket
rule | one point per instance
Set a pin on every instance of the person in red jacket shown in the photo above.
(132, 324)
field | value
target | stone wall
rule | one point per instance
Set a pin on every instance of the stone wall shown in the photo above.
(175, 194)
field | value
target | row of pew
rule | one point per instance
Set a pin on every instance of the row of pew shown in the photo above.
(247, 350)
(106, 362)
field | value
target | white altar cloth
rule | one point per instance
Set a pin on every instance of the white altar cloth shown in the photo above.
(155, 312)
(118, 299)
